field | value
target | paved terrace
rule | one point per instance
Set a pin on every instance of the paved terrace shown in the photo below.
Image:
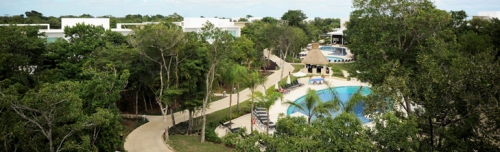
(148, 137)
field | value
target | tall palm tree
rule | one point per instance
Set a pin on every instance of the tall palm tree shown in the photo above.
(231, 75)
(313, 106)
(253, 80)
(267, 100)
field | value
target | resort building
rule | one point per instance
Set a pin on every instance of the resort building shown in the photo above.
(337, 35)
(487, 15)
(188, 25)
(195, 25)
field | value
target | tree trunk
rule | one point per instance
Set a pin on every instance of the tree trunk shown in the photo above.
(267, 125)
(408, 106)
(164, 114)
(203, 110)
(172, 115)
(251, 115)
(230, 108)
(432, 134)
(150, 104)
(145, 103)
(190, 121)
(238, 98)
(136, 102)
(209, 79)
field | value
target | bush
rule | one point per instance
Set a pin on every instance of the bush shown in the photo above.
(230, 140)
(336, 71)
(210, 133)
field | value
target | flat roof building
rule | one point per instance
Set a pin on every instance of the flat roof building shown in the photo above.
(188, 25)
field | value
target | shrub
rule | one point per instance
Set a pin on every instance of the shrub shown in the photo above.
(230, 139)
(336, 71)
(211, 135)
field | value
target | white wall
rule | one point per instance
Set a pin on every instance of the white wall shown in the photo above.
(104, 22)
(195, 25)
(491, 14)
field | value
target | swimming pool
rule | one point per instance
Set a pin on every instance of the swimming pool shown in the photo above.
(331, 58)
(344, 94)
(334, 50)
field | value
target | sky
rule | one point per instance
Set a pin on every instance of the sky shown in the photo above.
(214, 8)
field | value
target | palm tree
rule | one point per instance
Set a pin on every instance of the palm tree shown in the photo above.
(313, 106)
(267, 100)
(231, 75)
(252, 81)
(351, 103)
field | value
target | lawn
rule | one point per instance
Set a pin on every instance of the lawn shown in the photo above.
(221, 114)
(342, 66)
(191, 143)
(297, 67)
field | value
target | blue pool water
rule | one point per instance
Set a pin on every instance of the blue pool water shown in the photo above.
(344, 94)
(331, 58)
(334, 50)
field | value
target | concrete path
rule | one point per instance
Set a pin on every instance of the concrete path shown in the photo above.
(148, 136)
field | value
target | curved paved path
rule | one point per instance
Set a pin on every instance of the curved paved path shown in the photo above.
(148, 136)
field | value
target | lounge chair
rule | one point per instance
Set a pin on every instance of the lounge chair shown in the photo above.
(235, 130)
(227, 125)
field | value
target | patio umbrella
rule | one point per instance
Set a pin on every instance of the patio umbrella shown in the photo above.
(276, 86)
(299, 74)
(288, 80)
(298, 114)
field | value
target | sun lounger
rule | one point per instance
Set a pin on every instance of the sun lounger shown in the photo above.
(227, 125)
(235, 130)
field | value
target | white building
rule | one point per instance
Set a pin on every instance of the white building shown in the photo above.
(188, 25)
(195, 25)
(488, 14)
(337, 35)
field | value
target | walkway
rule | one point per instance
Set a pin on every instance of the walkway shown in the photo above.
(148, 136)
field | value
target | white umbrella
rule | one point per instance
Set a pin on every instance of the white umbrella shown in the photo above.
(288, 80)
(299, 74)
(298, 114)
(276, 86)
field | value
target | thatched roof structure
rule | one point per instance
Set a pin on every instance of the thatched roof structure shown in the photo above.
(315, 56)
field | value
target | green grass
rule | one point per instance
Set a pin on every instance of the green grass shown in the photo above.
(188, 143)
(342, 66)
(191, 143)
(297, 67)
(221, 114)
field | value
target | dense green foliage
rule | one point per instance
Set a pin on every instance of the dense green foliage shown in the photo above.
(439, 72)
(59, 91)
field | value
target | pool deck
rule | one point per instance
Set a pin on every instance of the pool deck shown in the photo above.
(279, 107)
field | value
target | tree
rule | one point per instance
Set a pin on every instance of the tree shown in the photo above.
(20, 51)
(219, 47)
(267, 100)
(270, 20)
(399, 34)
(415, 64)
(230, 75)
(394, 134)
(314, 106)
(158, 44)
(253, 80)
(294, 18)
(191, 72)
(285, 38)
(343, 133)
(54, 111)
